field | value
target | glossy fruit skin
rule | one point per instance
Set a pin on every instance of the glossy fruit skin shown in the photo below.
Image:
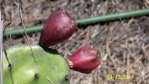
(58, 28)
(85, 59)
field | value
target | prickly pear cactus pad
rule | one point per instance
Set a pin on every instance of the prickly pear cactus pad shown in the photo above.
(51, 68)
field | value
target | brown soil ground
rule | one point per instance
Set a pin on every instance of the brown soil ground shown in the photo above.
(126, 42)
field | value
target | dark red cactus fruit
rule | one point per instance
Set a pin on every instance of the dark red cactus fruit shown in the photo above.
(58, 28)
(84, 59)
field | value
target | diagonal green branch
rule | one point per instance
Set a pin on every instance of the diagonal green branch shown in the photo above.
(85, 21)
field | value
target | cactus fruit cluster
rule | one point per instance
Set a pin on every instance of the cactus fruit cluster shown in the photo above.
(39, 64)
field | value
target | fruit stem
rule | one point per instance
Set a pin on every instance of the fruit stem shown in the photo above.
(70, 63)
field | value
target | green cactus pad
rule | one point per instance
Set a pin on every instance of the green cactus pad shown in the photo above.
(51, 68)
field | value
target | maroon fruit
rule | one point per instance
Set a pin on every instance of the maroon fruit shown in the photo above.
(84, 59)
(58, 27)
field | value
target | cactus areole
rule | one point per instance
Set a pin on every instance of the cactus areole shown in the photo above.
(84, 59)
(58, 27)
(22, 69)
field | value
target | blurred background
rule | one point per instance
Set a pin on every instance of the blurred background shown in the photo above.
(126, 42)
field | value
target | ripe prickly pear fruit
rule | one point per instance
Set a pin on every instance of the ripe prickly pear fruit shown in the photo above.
(23, 69)
(84, 59)
(59, 27)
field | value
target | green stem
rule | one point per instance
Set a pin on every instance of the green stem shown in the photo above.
(114, 16)
(85, 21)
(20, 31)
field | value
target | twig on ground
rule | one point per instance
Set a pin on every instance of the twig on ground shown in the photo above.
(1, 48)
